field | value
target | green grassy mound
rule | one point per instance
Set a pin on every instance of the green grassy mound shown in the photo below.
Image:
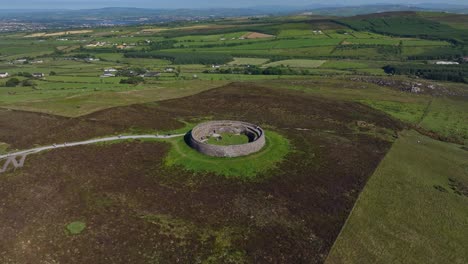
(76, 227)
(228, 139)
(247, 167)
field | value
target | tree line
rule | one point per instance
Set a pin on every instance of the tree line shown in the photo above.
(255, 70)
(453, 73)
(184, 58)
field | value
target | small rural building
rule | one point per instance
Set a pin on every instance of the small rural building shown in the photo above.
(107, 74)
(38, 75)
(4, 74)
(169, 69)
(151, 74)
(20, 61)
(98, 44)
(447, 63)
(91, 59)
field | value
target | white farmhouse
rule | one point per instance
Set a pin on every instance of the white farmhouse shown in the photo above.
(4, 75)
(38, 75)
(447, 63)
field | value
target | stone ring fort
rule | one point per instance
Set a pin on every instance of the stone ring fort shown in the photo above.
(201, 134)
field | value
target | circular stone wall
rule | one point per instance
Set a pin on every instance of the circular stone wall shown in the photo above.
(201, 133)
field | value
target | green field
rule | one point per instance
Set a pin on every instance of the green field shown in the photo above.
(297, 63)
(75, 99)
(248, 61)
(345, 64)
(448, 116)
(228, 139)
(410, 211)
(445, 116)
(409, 112)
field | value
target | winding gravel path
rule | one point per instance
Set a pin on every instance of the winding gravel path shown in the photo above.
(11, 158)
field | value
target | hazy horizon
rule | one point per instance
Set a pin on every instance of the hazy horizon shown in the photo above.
(86, 4)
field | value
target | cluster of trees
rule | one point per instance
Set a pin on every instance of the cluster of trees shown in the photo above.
(84, 56)
(13, 82)
(131, 72)
(441, 53)
(255, 70)
(133, 80)
(24, 74)
(99, 50)
(184, 58)
(407, 26)
(453, 73)
(165, 44)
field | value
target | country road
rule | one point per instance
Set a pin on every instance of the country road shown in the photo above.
(11, 158)
(87, 142)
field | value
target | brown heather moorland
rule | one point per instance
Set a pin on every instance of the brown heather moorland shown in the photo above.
(138, 210)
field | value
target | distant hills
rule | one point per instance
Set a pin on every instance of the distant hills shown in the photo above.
(124, 16)
(344, 10)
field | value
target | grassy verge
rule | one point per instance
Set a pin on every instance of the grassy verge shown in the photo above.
(413, 209)
(4, 148)
(246, 167)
